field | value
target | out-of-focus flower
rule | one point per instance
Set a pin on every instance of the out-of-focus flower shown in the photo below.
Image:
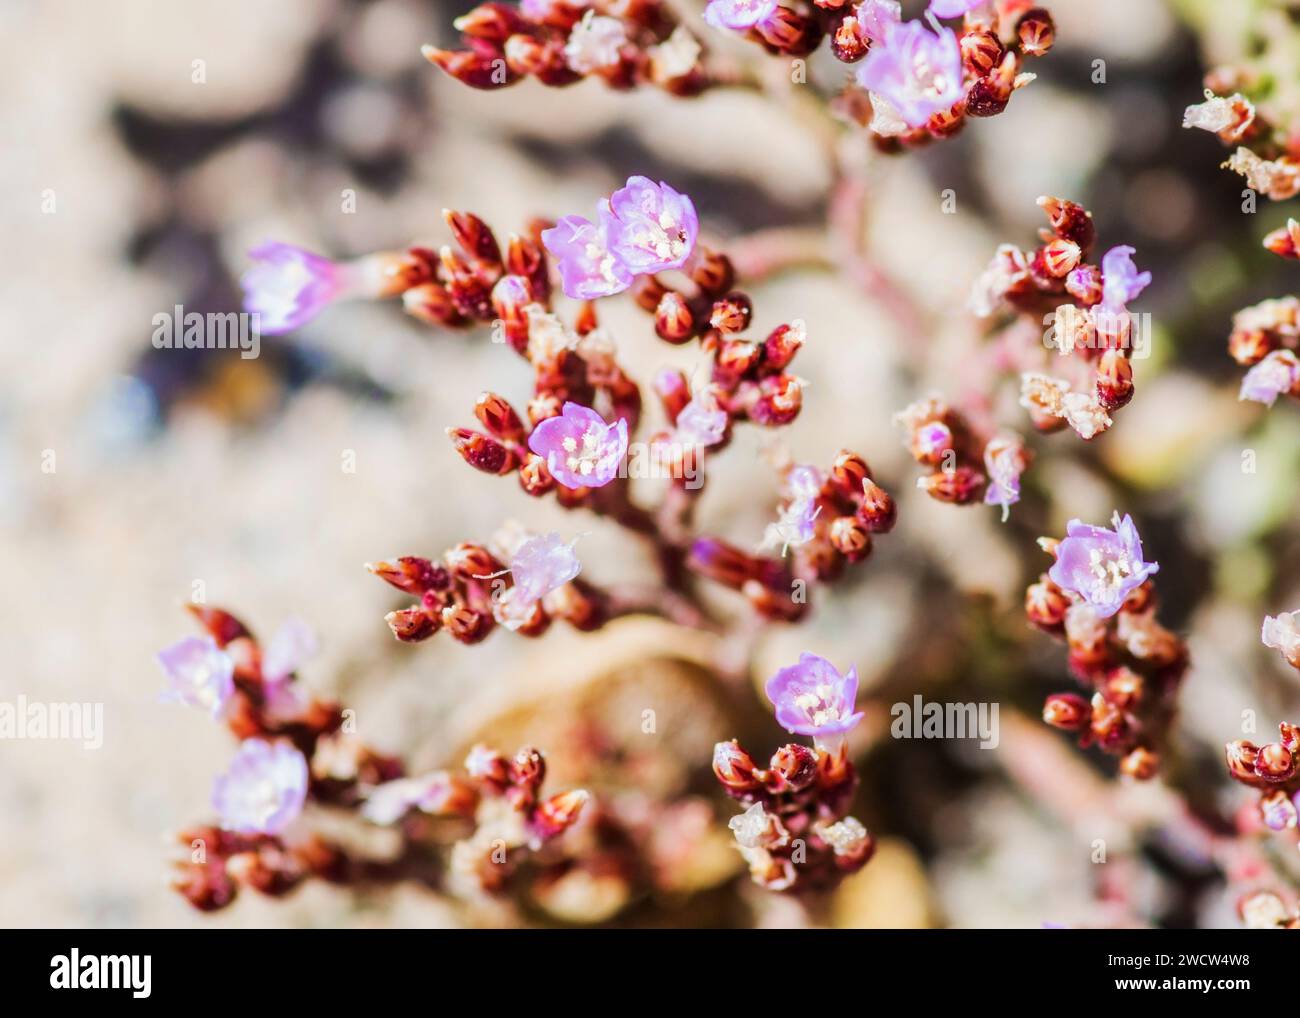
(813, 698)
(539, 565)
(954, 8)
(756, 828)
(652, 226)
(1275, 375)
(1004, 462)
(437, 794)
(1279, 179)
(580, 449)
(1121, 280)
(1227, 116)
(1282, 633)
(796, 524)
(288, 286)
(587, 267)
(594, 43)
(875, 17)
(264, 789)
(1102, 566)
(739, 15)
(917, 71)
(293, 644)
(701, 422)
(199, 674)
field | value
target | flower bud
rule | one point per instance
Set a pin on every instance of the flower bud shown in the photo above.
(1069, 221)
(673, 320)
(481, 452)
(1067, 711)
(432, 304)
(782, 344)
(1084, 284)
(466, 624)
(1046, 605)
(558, 813)
(794, 765)
(789, 32)
(981, 51)
(470, 232)
(712, 272)
(849, 474)
(721, 562)
(1140, 763)
(731, 313)
(1114, 380)
(534, 478)
(735, 769)
(1037, 32)
(1275, 762)
(1060, 257)
(526, 258)
(411, 574)
(850, 537)
(493, 22)
(499, 417)
(411, 625)
(847, 41)
(1285, 240)
(960, 486)
(877, 511)
(471, 68)
(674, 391)
(735, 358)
(779, 401)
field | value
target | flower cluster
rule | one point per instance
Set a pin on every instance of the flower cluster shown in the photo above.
(296, 751)
(913, 83)
(826, 522)
(1264, 152)
(796, 834)
(1087, 307)
(1264, 338)
(1274, 770)
(471, 590)
(964, 463)
(556, 42)
(1099, 596)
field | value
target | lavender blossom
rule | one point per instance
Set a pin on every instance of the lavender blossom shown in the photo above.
(1101, 566)
(701, 422)
(541, 564)
(916, 71)
(812, 698)
(389, 802)
(588, 268)
(1121, 280)
(293, 644)
(199, 674)
(796, 525)
(1276, 374)
(739, 15)
(264, 789)
(954, 8)
(1004, 462)
(289, 286)
(580, 449)
(875, 17)
(651, 227)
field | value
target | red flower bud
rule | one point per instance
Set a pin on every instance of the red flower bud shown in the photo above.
(481, 452)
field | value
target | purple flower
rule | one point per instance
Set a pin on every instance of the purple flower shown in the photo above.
(389, 802)
(1276, 374)
(812, 698)
(1004, 462)
(797, 523)
(1121, 281)
(293, 644)
(651, 226)
(580, 449)
(701, 422)
(199, 674)
(1101, 566)
(918, 72)
(588, 268)
(543, 563)
(264, 789)
(288, 286)
(954, 8)
(739, 15)
(875, 17)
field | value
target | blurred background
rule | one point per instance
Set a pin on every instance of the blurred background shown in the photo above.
(173, 137)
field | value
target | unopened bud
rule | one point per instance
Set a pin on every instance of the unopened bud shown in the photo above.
(673, 320)
(1037, 32)
(482, 452)
(1067, 711)
(411, 625)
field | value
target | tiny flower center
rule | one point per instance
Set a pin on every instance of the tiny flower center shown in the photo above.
(1110, 570)
(821, 706)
